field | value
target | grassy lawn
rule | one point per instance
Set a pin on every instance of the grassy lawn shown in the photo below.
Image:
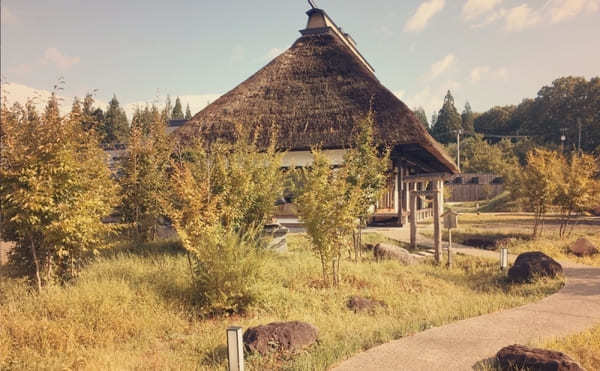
(583, 347)
(135, 309)
(485, 229)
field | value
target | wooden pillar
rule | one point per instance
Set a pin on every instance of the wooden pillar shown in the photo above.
(413, 219)
(437, 220)
(401, 200)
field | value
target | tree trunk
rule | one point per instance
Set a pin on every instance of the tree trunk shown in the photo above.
(37, 266)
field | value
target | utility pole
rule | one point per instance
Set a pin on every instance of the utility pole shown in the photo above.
(458, 134)
(579, 136)
(563, 138)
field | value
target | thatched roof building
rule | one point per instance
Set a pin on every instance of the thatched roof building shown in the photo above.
(314, 93)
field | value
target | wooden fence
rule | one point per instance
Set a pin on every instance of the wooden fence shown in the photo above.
(473, 192)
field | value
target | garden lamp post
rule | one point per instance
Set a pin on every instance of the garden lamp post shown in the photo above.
(503, 258)
(235, 348)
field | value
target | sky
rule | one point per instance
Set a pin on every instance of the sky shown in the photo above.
(487, 52)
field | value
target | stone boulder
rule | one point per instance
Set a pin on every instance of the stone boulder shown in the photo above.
(519, 357)
(280, 337)
(583, 247)
(531, 265)
(360, 304)
(385, 251)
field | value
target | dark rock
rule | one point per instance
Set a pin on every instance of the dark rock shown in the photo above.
(280, 336)
(519, 357)
(531, 265)
(583, 247)
(359, 304)
(595, 211)
(484, 243)
(384, 251)
(369, 246)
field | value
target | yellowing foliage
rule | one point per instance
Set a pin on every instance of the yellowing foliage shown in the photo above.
(55, 188)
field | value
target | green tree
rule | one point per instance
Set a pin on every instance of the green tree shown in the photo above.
(448, 121)
(188, 113)
(578, 187)
(422, 117)
(367, 171)
(496, 121)
(115, 127)
(144, 175)
(55, 187)
(177, 110)
(168, 110)
(468, 119)
(327, 204)
(537, 184)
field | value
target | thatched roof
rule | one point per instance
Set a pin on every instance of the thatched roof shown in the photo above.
(313, 94)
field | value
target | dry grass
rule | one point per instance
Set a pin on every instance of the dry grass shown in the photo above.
(583, 347)
(136, 309)
(518, 226)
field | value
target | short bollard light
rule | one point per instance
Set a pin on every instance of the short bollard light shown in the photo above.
(235, 348)
(503, 258)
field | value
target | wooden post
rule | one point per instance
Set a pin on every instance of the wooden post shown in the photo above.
(235, 349)
(413, 220)
(401, 195)
(437, 222)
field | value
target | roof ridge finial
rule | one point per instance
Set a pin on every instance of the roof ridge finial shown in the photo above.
(313, 4)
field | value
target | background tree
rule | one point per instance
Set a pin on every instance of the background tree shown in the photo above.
(167, 110)
(496, 121)
(177, 110)
(188, 113)
(468, 119)
(434, 118)
(448, 121)
(422, 117)
(115, 127)
(55, 187)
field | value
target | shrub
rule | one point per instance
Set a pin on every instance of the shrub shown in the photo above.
(227, 272)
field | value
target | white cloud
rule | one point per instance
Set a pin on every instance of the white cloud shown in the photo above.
(13, 92)
(62, 61)
(441, 66)
(482, 73)
(475, 8)
(561, 10)
(8, 17)
(424, 13)
(521, 17)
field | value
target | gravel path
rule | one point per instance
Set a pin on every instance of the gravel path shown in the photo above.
(464, 344)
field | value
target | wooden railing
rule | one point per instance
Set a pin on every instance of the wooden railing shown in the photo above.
(424, 214)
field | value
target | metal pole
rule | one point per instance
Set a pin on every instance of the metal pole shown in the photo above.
(579, 136)
(458, 149)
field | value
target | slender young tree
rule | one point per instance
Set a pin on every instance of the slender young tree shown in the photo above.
(145, 179)
(55, 188)
(468, 119)
(367, 174)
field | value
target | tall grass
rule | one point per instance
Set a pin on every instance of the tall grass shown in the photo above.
(135, 308)
(583, 347)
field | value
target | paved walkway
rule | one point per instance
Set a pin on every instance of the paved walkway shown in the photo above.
(462, 345)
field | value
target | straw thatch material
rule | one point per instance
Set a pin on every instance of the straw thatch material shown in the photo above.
(313, 94)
